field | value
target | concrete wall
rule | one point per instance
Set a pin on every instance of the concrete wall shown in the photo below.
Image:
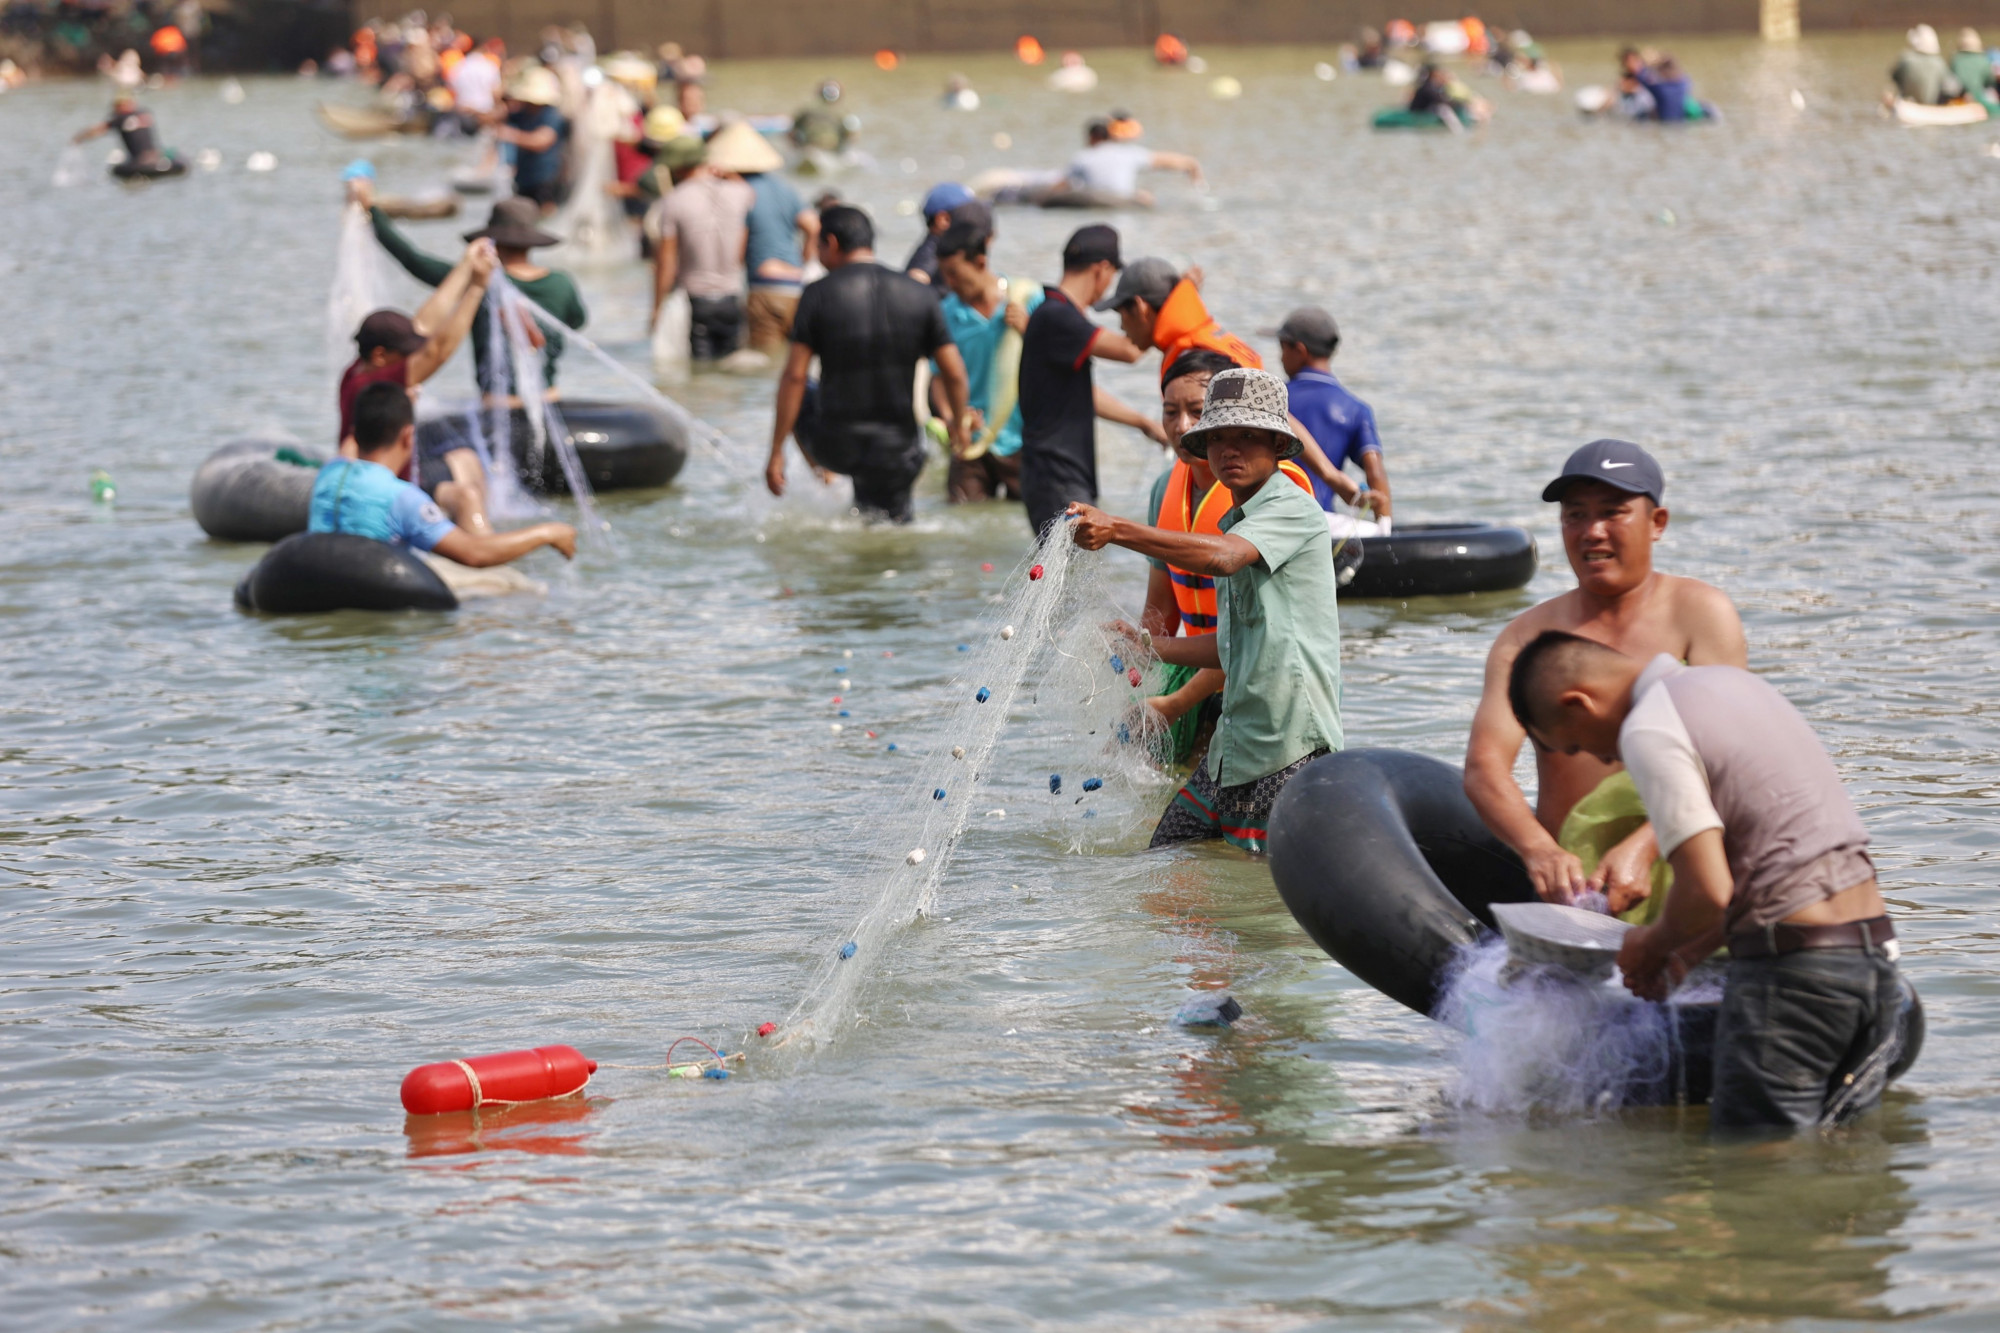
(747, 28)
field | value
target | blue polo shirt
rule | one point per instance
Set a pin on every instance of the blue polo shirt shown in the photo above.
(1341, 424)
(366, 499)
(978, 339)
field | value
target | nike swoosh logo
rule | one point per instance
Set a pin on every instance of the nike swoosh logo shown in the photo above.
(1609, 466)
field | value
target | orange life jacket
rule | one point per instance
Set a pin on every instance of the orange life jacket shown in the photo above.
(1194, 594)
(1184, 324)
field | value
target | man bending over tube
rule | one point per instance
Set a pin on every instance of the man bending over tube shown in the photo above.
(1768, 855)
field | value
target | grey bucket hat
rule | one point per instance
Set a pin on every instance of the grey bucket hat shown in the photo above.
(1243, 397)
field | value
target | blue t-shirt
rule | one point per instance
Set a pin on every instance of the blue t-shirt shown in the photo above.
(774, 227)
(978, 339)
(366, 499)
(1342, 425)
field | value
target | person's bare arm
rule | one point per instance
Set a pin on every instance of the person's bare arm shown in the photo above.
(1180, 162)
(957, 393)
(1161, 616)
(1119, 413)
(1378, 482)
(437, 308)
(1109, 346)
(1654, 958)
(535, 141)
(791, 393)
(1218, 556)
(1490, 752)
(808, 225)
(1205, 682)
(86, 135)
(666, 269)
(481, 550)
(1715, 631)
(427, 360)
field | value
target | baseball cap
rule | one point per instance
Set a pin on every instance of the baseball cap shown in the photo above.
(1088, 245)
(944, 198)
(1152, 278)
(1311, 328)
(390, 329)
(1615, 463)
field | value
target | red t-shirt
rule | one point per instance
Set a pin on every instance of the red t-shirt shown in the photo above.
(358, 377)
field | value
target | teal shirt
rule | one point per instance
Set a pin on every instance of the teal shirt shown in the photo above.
(1279, 639)
(361, 497)
(978, 339)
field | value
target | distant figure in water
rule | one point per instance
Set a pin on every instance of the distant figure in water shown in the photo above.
(1437, 92)
(134, 125)
(365, 495)
(1921, 75)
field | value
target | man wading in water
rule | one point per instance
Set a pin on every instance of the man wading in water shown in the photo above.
(1277, 636)
(1060, 403)
(135, 129)
(1767, 853)
(1613, 512)
(869, 328)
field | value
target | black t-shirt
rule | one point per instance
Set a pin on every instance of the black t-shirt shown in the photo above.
(924, 259)
(135, 127)
(1058, 410)
(869, 327)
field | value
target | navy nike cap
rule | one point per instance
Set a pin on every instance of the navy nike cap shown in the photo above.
(1615, 463)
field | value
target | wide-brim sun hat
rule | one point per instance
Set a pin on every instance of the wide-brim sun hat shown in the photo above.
(535, 85)
(738, 148)
(1250, 399)
(515, 224)
(663, 124)
(634, 71)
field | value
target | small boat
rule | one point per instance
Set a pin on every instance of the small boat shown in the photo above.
(1434, 560)
(1402, 118)
(365, 122)
(1917, 115)
(424, 209)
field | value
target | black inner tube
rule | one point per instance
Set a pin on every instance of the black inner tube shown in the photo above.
(312, 572)
(1382, 859)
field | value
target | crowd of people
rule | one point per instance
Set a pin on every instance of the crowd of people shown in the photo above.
(1665, 770)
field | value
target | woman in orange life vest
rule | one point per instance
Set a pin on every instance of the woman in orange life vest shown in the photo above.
(1159, 307)
(1187, 498)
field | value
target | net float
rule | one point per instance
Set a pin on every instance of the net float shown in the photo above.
(506, 1079)
(1035, 573)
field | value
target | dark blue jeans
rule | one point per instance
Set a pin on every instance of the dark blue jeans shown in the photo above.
(1794, 1040)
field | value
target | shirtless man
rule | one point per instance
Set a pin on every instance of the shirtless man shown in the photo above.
(1611, 495)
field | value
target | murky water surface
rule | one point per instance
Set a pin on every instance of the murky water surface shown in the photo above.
(254, 870)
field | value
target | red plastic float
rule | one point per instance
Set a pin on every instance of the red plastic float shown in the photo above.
(496, 1080)
(1035, 573)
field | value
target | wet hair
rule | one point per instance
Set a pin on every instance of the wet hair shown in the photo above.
(1199, 361)
(380, 413)
(1550, 654)
(849, 226)
(968, 237)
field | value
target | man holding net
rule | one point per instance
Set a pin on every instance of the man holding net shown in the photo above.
(1277, 636)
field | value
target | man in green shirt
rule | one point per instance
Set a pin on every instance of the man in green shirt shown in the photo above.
(1278, 633)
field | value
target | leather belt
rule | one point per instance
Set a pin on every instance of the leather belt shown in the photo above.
(1781, 938)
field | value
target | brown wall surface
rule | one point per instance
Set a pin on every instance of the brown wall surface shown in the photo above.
(751, 28)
